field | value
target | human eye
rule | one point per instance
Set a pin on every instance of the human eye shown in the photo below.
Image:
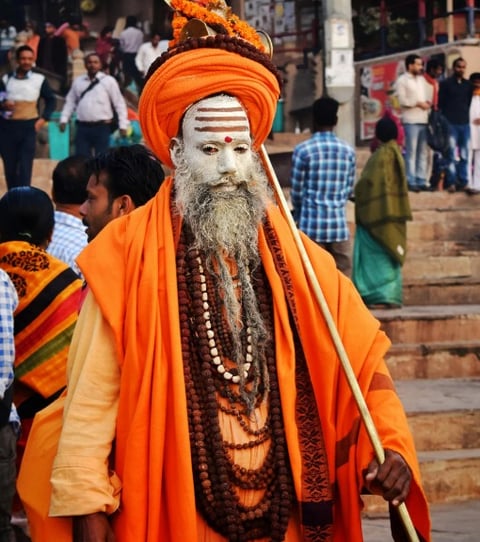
(209, 149)
(241, 149)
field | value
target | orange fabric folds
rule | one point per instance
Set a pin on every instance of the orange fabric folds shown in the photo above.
(135, 258)
(190, 76)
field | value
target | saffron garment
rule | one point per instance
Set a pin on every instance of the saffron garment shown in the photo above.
(381, 212)
(143, 404)
(49, 294)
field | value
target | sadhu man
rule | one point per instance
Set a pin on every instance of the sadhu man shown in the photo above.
(205, 398)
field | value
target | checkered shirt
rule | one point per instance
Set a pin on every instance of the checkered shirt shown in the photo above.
(68, 240)
(322, 178)
(8, 304)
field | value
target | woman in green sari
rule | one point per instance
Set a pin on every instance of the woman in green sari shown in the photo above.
(381, 212)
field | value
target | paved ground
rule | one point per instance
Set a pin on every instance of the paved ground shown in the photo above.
(450, 523)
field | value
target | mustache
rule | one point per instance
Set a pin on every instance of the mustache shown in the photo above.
(227, 180)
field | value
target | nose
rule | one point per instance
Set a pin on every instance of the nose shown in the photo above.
(81, 209)
(227, 163)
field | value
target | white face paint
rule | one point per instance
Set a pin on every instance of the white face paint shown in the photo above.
(217, 142)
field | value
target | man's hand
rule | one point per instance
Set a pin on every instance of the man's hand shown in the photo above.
(62, 126)
(123, 132)
(92, 528)
(391, 479)
(424, 105)
(8, 105)
(39, 123)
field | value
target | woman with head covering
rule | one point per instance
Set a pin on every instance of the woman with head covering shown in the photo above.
(381, 211)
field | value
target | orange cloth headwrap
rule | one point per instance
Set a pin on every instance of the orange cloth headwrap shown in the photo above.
(191, 76)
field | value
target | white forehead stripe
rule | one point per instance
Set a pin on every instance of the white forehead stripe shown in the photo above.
(218, 114)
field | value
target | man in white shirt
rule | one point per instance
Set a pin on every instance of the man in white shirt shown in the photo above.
(95, 97)
(149, 51)
(414, 96)
(131, 38)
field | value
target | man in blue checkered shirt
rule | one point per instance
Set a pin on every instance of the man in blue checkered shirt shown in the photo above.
(69, 191)
(9, 420)
(322, 178)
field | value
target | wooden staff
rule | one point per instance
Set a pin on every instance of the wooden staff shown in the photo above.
(347, 368)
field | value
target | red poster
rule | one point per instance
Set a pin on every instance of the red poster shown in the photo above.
(377, 93)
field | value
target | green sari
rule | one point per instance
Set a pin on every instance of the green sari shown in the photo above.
(381, 211)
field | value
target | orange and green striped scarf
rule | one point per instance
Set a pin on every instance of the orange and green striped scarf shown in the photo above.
(49, 293)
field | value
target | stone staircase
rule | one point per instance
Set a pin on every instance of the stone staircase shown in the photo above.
(435, 354)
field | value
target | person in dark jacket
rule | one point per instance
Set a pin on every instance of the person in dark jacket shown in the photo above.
(454, 99)
(52, 53)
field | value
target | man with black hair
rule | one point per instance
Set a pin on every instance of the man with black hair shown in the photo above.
(19, 116)
(414, 96)
(69, 191)
(323, 174)
(149, 51)
(454, 100)
(95, 97)
(120, 180)
(131, 38)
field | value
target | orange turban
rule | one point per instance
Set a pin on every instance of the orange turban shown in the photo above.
(193, 75)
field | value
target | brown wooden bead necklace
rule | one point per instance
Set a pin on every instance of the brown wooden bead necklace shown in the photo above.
(216, 475)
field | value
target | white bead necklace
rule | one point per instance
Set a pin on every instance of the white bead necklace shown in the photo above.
(216, 359)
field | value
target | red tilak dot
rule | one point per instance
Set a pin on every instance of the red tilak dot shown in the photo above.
(228, 139)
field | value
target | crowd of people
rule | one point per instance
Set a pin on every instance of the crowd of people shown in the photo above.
(95, 100)
(423, 94)
(163, 352)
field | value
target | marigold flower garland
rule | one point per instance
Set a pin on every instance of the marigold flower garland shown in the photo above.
(186, 9)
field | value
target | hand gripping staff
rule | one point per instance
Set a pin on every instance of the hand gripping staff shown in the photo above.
(346, 366)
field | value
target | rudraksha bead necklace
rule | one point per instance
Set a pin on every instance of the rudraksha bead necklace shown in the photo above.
(216, 475)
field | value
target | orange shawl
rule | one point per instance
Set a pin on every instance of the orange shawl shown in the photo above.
(49, 295)
(135, 257)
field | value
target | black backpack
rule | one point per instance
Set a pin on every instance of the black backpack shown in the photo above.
(438, 132)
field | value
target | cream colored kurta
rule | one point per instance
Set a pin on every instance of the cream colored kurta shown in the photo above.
(81, 480)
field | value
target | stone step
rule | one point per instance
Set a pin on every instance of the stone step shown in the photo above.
(442, 201)
(440, 268)
(418, 249)
(442, 228)
(459, 430)
(456, 521)
(430, 323)
(444, 413)
(444, 292)
(451, 475)
(455, 359)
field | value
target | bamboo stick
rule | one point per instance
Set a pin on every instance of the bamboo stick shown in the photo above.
(347, 368)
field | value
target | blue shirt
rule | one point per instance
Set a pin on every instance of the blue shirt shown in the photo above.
(8, 304)
(322, 178)
(68, 240)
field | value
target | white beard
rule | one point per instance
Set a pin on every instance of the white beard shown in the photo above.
(223, 221)
(225, 227)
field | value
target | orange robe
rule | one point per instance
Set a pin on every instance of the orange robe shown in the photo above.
(135, 257)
